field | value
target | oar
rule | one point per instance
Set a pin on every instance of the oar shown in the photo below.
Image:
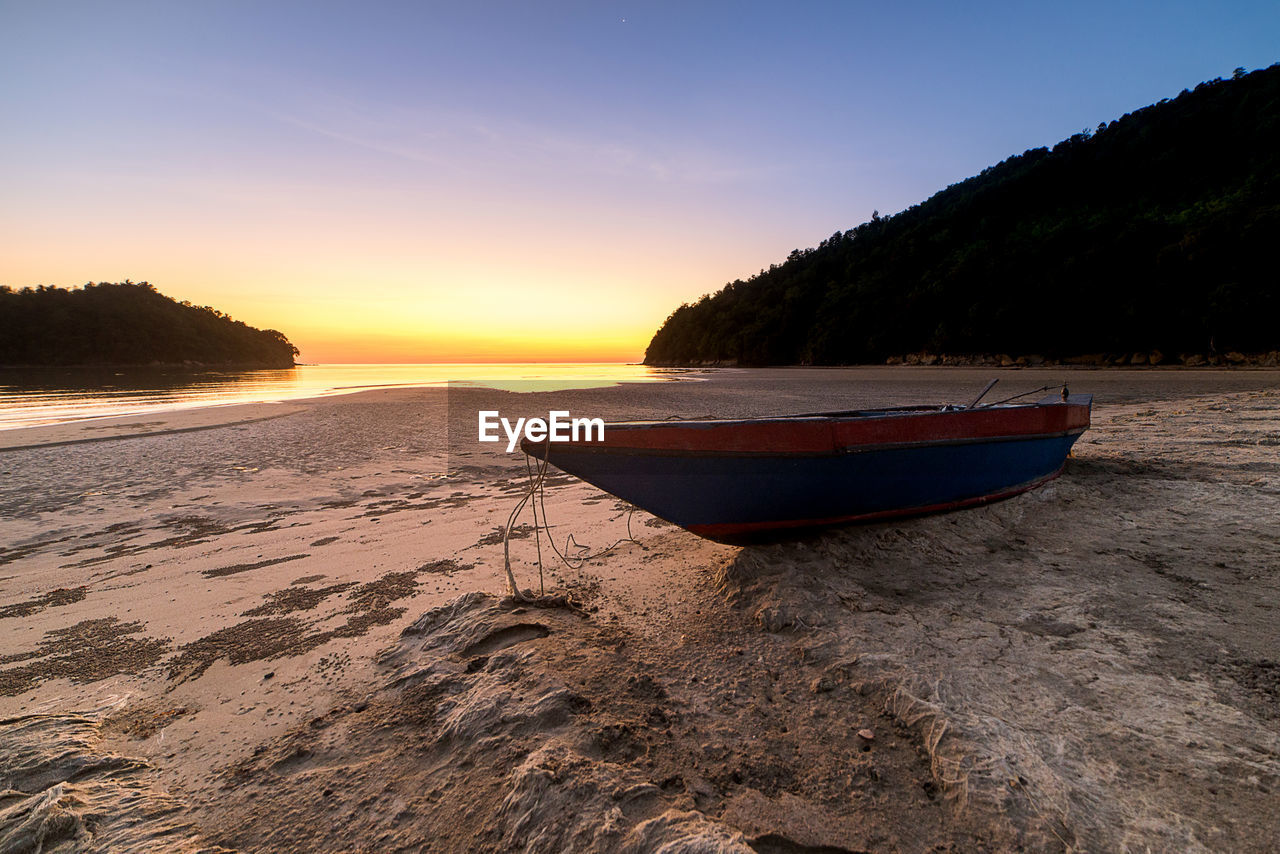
(983, 393)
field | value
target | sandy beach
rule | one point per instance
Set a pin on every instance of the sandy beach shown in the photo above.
(284, 628)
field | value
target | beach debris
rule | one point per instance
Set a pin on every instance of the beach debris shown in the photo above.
(53, 599)
(535, 497)
(85, 652)
(822, 684)
(143, 720)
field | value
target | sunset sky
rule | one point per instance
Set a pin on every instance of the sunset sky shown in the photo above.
(478, 181)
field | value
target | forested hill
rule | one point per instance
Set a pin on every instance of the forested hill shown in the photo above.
(1157, 231)
(128, 324)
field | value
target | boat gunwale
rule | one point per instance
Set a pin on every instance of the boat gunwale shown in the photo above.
(1085, 401)
(540, 450)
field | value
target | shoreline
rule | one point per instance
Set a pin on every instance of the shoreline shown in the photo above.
(41, 402)
(170, 421)
(1154, 360)
(130, 427)
(209, 416)
(168, 366)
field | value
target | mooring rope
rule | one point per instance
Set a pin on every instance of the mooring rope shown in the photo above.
(536, 497)
(506, 547)
(1024, 394)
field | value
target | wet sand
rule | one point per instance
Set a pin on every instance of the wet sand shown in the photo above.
(290, 635)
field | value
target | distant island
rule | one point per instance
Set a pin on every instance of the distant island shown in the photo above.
(1151, 238)
(128, 323)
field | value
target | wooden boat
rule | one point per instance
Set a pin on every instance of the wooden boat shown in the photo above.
(762, 478)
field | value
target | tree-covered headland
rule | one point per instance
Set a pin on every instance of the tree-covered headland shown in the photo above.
(128, 324)
(1151, 236)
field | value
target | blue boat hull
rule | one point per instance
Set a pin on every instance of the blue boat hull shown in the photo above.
(735, 498)
(747, 479)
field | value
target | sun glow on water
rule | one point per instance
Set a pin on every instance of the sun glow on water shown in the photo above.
(32, 398)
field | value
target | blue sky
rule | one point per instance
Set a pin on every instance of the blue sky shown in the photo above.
(464, 178)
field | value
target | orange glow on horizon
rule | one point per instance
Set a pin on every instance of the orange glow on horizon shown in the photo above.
(465, 305)
(409, 292)
(408, 349)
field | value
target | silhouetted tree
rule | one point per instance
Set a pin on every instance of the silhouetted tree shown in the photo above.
(127, 323)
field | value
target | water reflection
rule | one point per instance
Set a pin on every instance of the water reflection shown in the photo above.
(113, 381)
(39, 396)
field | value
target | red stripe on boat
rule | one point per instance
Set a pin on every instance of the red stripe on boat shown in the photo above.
(830, 433)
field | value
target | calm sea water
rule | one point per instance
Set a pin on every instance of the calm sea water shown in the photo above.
(31, 398)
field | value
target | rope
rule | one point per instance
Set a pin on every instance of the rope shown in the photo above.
(536, 497)
(537, 531)
(1024, 394)
(570, 540)
(506, 547)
